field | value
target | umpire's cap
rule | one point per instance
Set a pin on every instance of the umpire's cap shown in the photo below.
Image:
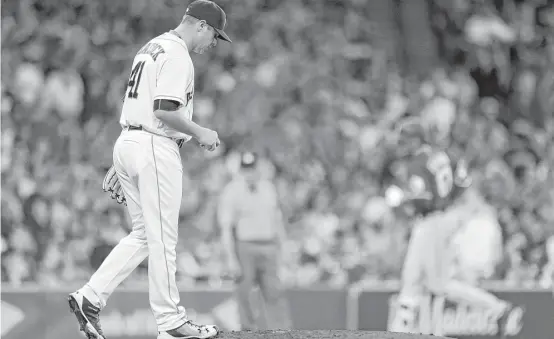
(248, 160)
(211, 13)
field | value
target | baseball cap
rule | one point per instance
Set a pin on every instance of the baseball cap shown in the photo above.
(248, 160)
(211, 13)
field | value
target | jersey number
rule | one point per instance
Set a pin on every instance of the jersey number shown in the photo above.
(134, 80)
(439, 165)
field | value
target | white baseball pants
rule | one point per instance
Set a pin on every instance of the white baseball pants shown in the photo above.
(426, 268)
(150, 171)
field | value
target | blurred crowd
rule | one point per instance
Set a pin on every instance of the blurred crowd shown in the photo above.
(315, 87)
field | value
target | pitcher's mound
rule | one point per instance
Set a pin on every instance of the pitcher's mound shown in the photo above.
(320, 335)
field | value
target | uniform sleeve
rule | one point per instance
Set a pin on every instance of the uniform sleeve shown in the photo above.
(175, 81)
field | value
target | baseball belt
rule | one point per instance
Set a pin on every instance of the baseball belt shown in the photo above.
(179, 142)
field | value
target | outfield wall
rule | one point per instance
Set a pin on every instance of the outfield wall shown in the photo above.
(29, 311)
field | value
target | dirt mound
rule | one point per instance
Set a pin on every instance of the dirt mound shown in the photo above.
(320, 335)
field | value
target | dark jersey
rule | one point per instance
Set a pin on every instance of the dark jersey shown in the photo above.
(434, 180)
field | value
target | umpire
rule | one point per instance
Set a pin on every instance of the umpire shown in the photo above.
(253, 234)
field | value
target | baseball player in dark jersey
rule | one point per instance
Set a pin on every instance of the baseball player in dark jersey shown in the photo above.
(433, 183)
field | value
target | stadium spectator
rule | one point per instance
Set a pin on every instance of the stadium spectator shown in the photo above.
(326, 95)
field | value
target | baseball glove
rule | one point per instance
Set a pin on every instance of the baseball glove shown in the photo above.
(111, 184)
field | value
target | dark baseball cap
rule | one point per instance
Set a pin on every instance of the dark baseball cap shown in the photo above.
(211, 13)
(248, 159)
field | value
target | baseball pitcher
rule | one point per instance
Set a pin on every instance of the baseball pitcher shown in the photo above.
(147, 173)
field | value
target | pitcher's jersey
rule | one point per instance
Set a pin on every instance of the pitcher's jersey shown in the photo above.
(162, 69)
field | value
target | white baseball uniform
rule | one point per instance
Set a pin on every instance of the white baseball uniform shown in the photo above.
(148, 165)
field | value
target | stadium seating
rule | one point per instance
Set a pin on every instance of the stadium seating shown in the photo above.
(311, 84)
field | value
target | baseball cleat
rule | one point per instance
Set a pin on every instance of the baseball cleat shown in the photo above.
(190, 330)
(87, 315)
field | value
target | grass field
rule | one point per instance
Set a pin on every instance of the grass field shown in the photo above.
(320, 335)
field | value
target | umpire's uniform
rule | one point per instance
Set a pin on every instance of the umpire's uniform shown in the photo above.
(252, 227)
